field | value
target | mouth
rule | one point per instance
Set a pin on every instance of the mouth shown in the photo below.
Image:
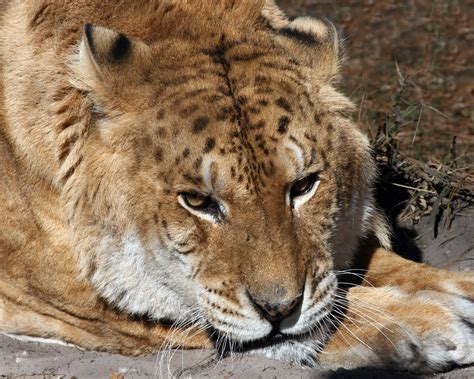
(274, 338)
(225, 345)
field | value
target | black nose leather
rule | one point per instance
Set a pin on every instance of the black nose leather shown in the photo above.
(275, 311)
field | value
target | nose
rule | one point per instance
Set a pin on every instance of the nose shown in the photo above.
(275, 311)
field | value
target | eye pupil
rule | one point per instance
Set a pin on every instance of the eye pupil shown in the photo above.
(302, 186)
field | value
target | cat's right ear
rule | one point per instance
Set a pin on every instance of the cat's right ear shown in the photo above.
(103, 51)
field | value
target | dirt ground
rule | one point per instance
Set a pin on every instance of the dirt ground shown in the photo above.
(431, 41)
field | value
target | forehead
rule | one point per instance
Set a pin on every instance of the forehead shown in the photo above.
(243, 101)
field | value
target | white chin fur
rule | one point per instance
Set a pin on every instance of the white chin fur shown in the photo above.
(299, 352)
(136, 280)
(244, 330)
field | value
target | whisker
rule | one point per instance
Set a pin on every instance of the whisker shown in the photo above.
(356, 322)
(371, 322)
(351, 333)
(172, 343)
(366, 317)
(359, 276)
(328, 328)
(369, 306)
(363, 314)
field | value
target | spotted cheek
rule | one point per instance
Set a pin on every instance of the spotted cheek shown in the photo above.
(218, 280)
(216, 269)
(225, 305)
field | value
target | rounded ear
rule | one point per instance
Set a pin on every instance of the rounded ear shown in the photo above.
(107, 63)
(102, 48)
(109, 66)
(320, 40)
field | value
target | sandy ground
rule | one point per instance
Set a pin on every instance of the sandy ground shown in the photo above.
(453, 249)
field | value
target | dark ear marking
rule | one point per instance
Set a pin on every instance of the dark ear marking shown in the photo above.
(105, 45)
(121, 47)
(319, 38)
(89, 36)
(304, 37)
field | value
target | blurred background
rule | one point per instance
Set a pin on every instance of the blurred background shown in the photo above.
(432, 41)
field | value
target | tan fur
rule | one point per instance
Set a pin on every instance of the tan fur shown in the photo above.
(101, 132)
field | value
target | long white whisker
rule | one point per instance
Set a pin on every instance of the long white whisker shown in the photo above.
(369, 306)
(362, 277)
(351, 333)
(371, 321)
(366, 317)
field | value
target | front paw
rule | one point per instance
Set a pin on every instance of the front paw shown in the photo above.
(446, 337)
(427, 331)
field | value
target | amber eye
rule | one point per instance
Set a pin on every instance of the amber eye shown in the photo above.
(195, 200)
(304, 185)
(200, 202)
